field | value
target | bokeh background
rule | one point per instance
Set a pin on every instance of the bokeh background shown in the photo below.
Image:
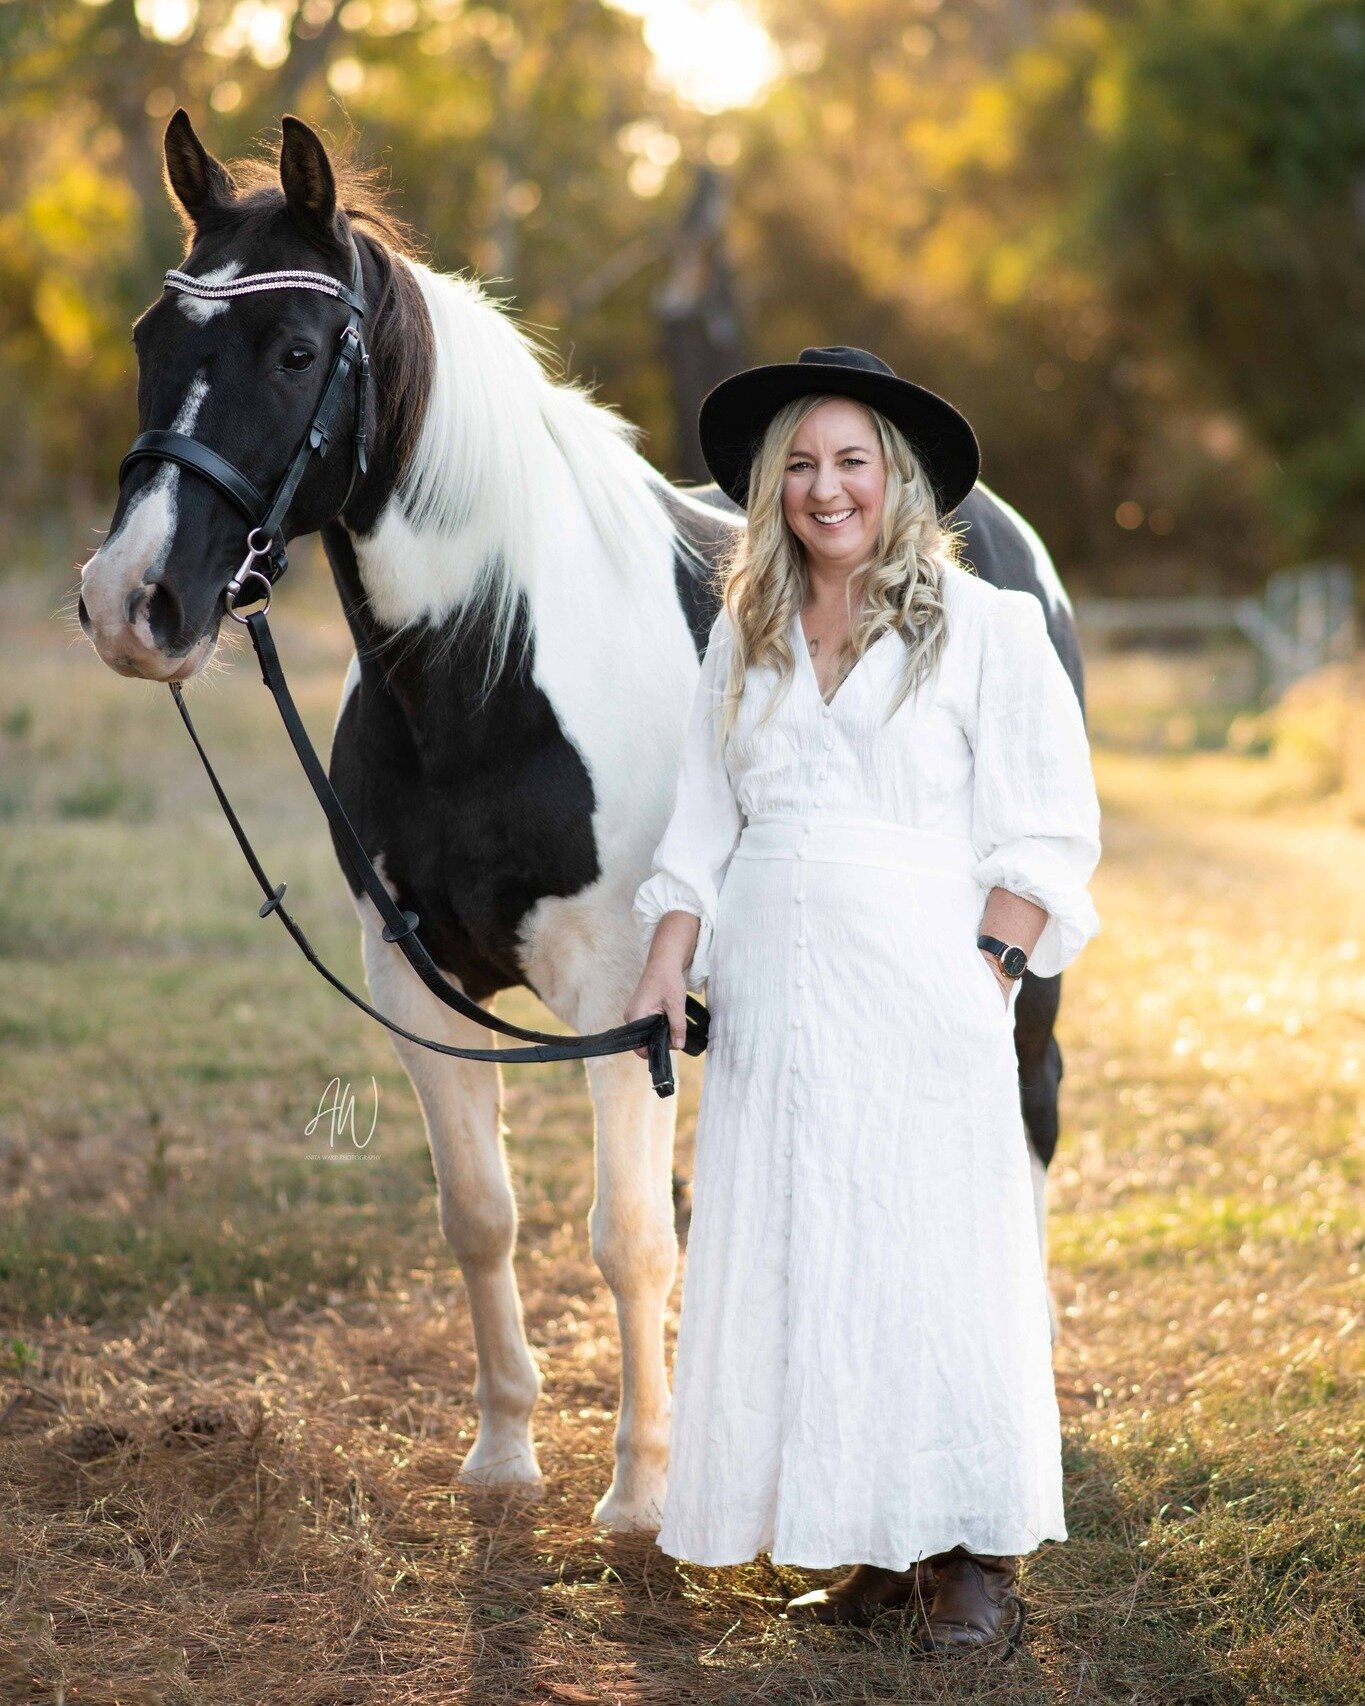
(1128, 237)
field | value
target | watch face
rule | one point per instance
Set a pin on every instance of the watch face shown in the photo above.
(1013, 961)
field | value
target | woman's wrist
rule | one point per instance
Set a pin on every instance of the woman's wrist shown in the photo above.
(675, 943)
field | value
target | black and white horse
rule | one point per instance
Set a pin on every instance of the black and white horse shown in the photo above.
(528, 601)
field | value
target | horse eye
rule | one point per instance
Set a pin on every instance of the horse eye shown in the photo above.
(297, 360)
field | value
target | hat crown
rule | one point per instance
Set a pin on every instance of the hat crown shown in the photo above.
(844, 355)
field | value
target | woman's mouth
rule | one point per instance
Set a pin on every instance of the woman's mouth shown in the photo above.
(833, 517)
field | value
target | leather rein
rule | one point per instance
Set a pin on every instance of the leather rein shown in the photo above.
(262, 567)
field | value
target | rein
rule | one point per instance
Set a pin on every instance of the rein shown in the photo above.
(265, 562)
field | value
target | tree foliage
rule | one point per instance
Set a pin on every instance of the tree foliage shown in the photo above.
(1126, 237)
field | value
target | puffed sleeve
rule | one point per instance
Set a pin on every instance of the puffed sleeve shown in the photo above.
(1035, 812)
(690, 861)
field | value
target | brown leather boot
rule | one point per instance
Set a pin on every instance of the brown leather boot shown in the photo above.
(865, 1593)
(974, 1605)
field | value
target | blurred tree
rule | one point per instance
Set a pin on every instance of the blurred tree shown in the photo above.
(1125, 236)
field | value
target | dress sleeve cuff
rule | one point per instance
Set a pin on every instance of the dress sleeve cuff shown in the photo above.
(664, 893)
(1036, 872)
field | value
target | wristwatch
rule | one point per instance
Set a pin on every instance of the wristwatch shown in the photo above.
(1012, 960)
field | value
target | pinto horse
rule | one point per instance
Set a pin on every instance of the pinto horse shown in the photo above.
(528, 600)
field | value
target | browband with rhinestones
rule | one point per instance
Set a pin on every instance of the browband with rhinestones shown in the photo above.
(250, 283)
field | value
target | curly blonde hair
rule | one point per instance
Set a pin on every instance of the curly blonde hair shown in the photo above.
(763, 581)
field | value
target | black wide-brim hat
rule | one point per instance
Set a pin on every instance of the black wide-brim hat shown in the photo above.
(737, 413)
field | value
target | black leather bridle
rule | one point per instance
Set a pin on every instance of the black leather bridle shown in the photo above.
(265, 562)
(265, 521)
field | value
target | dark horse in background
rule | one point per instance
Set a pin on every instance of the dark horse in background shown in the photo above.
(528, 599)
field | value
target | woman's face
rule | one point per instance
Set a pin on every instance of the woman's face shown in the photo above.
(835, 485)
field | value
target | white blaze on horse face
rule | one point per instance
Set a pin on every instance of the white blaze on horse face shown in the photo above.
(195, 307)
(133, 555)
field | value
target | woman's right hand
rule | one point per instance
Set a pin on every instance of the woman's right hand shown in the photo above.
(661, 989)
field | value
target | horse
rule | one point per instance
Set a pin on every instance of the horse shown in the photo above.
(529, 601)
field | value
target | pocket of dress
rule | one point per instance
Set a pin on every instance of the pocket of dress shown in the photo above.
(1000, 1002)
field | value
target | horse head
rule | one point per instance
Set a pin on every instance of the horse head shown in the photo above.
(232, 371)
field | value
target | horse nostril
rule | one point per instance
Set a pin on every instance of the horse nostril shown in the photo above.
(132, 605)
(83, 616)
(165, 618)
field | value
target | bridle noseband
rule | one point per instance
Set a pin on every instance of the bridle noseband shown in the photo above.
(265, 520)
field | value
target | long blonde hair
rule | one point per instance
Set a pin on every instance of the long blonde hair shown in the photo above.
(763, 581)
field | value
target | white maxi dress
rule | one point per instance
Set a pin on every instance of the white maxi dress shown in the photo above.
(863, 1369)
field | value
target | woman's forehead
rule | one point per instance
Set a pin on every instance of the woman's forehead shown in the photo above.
(839, 418)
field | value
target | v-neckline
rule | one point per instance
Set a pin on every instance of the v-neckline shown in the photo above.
(803, 647)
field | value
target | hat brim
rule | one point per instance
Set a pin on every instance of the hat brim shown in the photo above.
(735, 416)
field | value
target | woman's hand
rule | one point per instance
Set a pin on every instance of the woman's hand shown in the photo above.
(999, 976)
(661, 989)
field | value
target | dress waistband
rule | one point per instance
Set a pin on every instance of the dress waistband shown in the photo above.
(857, 841)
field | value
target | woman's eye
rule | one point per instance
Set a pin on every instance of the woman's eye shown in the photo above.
(297, 360)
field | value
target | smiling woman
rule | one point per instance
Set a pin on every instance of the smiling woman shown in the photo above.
(859, 845)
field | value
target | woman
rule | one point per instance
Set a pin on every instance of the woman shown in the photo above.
(880, 744)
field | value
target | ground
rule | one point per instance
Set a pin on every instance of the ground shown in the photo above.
(235, 1368)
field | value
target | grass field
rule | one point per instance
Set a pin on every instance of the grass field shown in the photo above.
(235, 1370)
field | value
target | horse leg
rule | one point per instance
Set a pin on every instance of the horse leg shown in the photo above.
(636, 1248)
(462, 1105)
(1040, 1076)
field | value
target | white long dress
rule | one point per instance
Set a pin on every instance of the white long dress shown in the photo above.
(863, 1369)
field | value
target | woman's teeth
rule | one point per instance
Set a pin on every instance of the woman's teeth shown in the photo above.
(834, 518)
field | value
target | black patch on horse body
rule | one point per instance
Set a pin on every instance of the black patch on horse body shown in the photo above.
(480, 805)
(1000, 554)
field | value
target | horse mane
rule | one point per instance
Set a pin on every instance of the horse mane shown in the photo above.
(484, 418)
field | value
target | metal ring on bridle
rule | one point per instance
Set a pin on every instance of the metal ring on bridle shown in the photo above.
(235, 586)
(262, 550)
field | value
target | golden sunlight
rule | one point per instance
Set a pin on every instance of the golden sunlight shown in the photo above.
(714, 54)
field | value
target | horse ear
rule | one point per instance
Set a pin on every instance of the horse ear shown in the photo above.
(310, 188)
(196, 180)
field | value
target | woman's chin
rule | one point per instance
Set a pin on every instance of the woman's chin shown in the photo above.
(840, 547)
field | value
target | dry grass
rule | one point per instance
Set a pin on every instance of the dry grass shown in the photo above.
(236, 1379)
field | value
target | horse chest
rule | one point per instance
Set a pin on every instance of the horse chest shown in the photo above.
(474, 818)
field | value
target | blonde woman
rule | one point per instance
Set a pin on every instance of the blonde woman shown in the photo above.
(886, 766)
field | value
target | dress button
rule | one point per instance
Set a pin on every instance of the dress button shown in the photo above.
(787, 1192)
(801, 940)
(801, 981)
(796, 1023)
(791, 1109)
(791, 1066)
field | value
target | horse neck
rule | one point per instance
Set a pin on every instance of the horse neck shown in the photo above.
(488, 516)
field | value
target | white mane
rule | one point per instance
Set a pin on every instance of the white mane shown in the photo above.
(484, 476)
